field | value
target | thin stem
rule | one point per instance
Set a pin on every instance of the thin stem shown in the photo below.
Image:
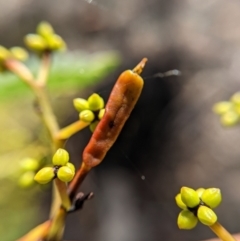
(44, 69)
(221, 232)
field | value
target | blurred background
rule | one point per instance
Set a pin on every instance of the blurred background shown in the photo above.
(172, 138)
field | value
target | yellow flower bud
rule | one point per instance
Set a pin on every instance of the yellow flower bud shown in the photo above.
(230, 118)
(236, 108)
(26, 180)
(189, 197)
(4, 53)
(44, 175)
(35, 42)
(80, 104)
(101, 114)
(200, 191)
(222, 107)
(93, 126)
(179, 201)
(29, 164)
(19, 53)
(236, 98)
(45, 29)
(95, 102)
(55, 42)
(71, 166)
(212, 197)
(206, 215)
(186, 220)
(86, 116)
(60, 158)
(65, 174)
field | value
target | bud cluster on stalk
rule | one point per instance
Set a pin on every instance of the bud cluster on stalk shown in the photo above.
(61, 169)
(197, 205)
(90, 110)
(229, 111)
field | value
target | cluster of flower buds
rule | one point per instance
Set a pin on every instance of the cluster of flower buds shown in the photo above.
(90, 110)
(197, 205)
(61, 169)
(45, 39)
(229, 111)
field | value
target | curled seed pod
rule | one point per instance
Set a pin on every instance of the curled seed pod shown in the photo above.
(95, 102)
(4, 53)
(222, 107)
(26, 180)
(35, 42)
(93, 126)
(65, 174)
(230, 118)
(60, 158)
(45, 29)
(236, 98)
(189, 197)
(80, 104)
(55, 42)
(200, 191)
(186, 220)
(101, 114)
(71, 166)
(45, 175)
(179, 201)
(29, 164)
(19, 53)
(212, 197)
(86, 116)
(206, 215)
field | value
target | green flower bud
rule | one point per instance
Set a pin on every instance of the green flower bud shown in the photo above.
(230, 118)
(179, 202)
(93, 126)
(222, 107)
(60, 158)
(29, 164)
(200, 191)
(4, 53)
(95, 102)
(101, 114)
(26, 180)
(189, 197)
(19, 53)
(55, 42)
(212, 197)
(236, 98)
(65, 174)
(80, 104)
(35, 42)
(45, 29)
(206, 215)
(186, 220)
(71, 166)
(86, 116)
(44, 175)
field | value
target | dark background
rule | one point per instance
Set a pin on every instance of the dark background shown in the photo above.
(172, 138)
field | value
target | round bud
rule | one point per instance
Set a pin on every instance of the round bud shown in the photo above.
(44, 175)
(101, 114)
(35, 42)
(29, 164)
(65, 174)
(45, 29)
(222, 107)
(93, 126)
(60, 158)
(230, 118)
(4, 53)
(236, 98)
(200, 191)
(19, 53)
(206, 215)
(55, 42)
(186, 220)
(71, 166)
(179, 202)
(86, 116)
(95, 102)
(26, 180)
(80, 104)
(212, 197)
(189, 197)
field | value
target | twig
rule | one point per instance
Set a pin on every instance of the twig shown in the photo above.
(221, 232)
